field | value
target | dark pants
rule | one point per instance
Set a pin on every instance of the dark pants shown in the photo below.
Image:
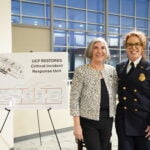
(126, 142)
(97, 133)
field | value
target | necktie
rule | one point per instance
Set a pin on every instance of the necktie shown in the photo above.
(132, 68)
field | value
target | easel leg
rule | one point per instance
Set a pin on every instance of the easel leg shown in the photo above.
(8, 111)
(39, 127)
(54, 128)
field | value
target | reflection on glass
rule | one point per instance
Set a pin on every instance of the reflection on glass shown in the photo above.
(90, 37)
(141, 23)
(15, 19)
(127, 22)
(59, 37)
(15, 7)
(59, 2)
(113, 30)
(113, 20)
(41, 1)
(59, 49)
(128, 7)
(114, 57)
(113, 8)
(76, 15)
(95, 28)
(77, 3)
(97, 5)
(113, 41)
(142, 8)
(77, 26)
(59, 13)
(76, 39)
(123, 55)
(76, 57)
(95, 17)
(33, 9)
(59, 24)
(33, 21)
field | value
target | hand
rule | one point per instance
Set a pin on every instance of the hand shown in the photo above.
(147, 131)
(78, 133)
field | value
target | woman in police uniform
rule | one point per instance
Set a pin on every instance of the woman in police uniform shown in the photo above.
(133, 109)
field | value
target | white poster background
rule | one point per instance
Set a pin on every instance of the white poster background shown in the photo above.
(34, 80)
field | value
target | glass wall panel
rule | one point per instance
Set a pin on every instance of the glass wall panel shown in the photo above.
(15, 19)
(97, 5)
(59, 49)
(59, 38)
(59, 13)
(59, 2)
(48, 1)
(142, 8)
(33, 21)
(114, 30)
(76, 58)
(115, 54)
(127, 7)
(33, 9)
(77, 26)
(113, 41)
(141, 23)
(113, 20)
(123, 55)
(76, 39)
(113, 6)
(40, 1)
(95, 17)
(125, 30)
(95, 28)
(15, 7)
(76, 15)
(127, 22)
(48, 12)
(77, 3)
(59, 24)
(91, 36)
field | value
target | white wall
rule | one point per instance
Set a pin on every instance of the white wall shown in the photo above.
(5, 26)
(6, 136)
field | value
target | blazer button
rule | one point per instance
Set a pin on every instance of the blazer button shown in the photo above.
(135, 109)
(135, 90)
(124, 88)
(124, 98)
(135, 99)
(124, 107)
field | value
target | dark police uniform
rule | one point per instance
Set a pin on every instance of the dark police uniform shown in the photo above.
(133, 109)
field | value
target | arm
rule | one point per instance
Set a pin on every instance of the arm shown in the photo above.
(77, 128)
(76, 88)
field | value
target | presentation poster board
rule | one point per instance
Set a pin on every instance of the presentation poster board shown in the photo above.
(34, 80)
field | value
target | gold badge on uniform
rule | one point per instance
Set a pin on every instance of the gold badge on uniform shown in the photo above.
(142, 77)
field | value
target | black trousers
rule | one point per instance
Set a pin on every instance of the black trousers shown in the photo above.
(126, 142)
(97, 133)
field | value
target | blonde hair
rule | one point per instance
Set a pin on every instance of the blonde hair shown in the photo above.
(88, 51)
(140, 35)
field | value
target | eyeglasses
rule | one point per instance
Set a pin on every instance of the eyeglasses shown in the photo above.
(130, 45)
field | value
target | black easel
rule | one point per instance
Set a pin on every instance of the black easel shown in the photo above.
(52, 126)
(39, 126)
(8, 112)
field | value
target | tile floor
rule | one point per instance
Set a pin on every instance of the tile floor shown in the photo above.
(66, 139)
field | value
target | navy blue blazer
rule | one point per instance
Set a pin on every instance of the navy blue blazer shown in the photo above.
(134, 97)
